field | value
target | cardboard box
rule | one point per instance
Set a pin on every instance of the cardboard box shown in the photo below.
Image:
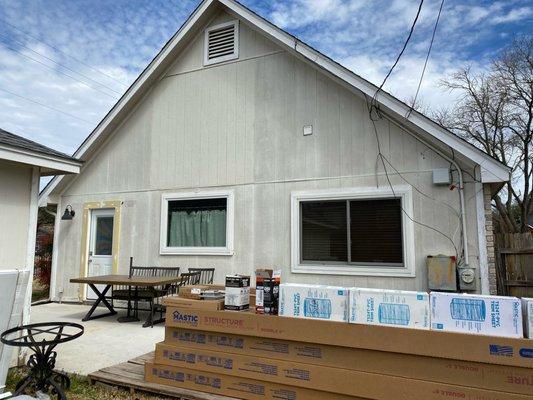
(226, 385)
(488, 376)
(193, 291)
(389, 307)
(267, 283)
(478, 348)
(527, 311)
(335, 380)
(176, 301)
(237, 292)
(313, 301)
(485, 315)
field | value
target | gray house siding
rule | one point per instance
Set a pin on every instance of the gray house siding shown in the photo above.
(238, 126)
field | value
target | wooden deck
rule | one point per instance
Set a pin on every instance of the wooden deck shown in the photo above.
(130, 375)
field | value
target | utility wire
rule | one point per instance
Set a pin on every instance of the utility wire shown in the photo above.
(382, 158)
(47, 106)
(61, 72)
(64, 53)
(401, 52)
(426, 62)
(6, 39)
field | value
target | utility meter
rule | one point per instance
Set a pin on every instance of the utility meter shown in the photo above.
(467, 277)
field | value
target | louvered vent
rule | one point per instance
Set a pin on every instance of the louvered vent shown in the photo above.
(221, 43)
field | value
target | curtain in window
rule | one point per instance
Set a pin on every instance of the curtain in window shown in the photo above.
(206, 228)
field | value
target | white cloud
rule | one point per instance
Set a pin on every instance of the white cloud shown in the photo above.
(119, 39)
(516, 14)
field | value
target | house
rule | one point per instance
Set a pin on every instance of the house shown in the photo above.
(22, 164)
(240, 147)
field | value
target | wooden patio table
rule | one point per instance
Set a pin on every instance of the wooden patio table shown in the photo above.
(124, 280)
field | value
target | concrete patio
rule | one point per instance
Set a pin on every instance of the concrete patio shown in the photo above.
(105, 341)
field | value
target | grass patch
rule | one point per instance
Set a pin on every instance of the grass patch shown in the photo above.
(81, 389)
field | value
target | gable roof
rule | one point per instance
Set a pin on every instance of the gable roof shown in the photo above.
(18, 149)
(491, 169)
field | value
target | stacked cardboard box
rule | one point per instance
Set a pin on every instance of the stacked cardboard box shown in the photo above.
(250, 356)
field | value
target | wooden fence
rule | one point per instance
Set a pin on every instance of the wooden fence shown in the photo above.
(514, 264)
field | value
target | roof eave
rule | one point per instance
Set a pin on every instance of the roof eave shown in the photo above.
(49, 164)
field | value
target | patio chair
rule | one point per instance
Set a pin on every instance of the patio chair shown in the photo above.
(190, 278)
(160, 292)
(206, 275)
(133, 295)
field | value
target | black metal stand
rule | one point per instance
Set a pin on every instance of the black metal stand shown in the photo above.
(42, 376)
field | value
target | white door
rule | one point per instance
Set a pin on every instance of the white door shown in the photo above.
(100, 260)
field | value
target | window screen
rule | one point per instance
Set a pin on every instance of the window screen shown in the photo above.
(352, 231)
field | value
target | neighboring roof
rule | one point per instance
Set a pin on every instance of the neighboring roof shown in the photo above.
(491, 169)
(18, 149)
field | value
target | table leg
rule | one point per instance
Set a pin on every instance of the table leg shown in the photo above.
(101, 299)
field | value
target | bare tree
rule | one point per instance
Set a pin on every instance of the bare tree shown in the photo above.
(495, 113)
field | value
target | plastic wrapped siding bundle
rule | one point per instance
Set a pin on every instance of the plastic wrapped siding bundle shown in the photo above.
(313, 301)
(401, 308)
(485, 315)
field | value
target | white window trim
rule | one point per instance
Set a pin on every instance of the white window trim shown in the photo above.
(223, 251)
(403, 192)
(228, 57)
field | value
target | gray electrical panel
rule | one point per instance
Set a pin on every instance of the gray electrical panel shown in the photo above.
(442, 273)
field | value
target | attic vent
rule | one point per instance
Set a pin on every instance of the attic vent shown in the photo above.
(221, 43)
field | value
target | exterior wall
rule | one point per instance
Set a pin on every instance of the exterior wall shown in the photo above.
(15, 193)
(238, 126)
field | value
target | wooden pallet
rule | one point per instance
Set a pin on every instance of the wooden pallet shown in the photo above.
(130, 375)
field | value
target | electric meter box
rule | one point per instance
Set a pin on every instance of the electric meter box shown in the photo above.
(467, 277)
(442, 273)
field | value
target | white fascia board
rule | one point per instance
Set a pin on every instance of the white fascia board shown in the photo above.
(492, 170)
(141, 81)
(130, 93)
(39, 160)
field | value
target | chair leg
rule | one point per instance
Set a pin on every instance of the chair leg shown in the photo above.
(152, 308)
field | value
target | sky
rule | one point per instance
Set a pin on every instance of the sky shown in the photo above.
(64, 63)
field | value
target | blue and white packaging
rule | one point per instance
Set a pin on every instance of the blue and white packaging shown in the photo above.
(527, 310)
(313, 301)
(400, 308)
(484, 315)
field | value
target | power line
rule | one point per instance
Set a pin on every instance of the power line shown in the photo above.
(427, 59)
(382, 158)
(401, 52)
(61, 72)
(58, 63)
(64, 53)
(47, 106)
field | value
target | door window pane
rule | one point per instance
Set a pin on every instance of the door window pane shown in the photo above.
(324, 231)
(376, 231)
(103, 245)
(197, 223)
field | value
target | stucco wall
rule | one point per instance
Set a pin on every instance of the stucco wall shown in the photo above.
(238, 126)
(15, 192)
